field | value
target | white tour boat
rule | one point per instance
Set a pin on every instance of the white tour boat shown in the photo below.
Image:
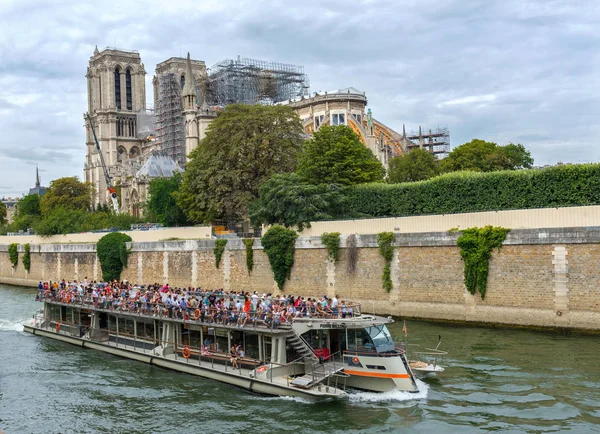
(309, 357)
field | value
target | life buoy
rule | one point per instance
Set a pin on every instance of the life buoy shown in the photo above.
(355, 360)
(197, 314)
(186, 353)
(57, 327)
(261, 369)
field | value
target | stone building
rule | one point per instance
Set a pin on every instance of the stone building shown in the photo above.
(186, 100)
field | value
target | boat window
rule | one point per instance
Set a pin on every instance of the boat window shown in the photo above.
(381, 338)
(145, 330)
(126, 326)
(112, 323)
(250, 345)
(316, 338)
(267, 347)
(222, 340)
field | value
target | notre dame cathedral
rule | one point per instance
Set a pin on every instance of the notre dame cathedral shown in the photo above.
(139, 144)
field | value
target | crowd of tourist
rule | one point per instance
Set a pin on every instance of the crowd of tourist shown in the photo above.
(219, 307)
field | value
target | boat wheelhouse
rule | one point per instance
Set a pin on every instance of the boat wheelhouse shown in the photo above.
(310, 357)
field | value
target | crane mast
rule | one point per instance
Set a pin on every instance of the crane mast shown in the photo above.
(109, 186)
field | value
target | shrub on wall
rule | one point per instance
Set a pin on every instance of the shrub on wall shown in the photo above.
(13, 254)
(249, 243)
(332, 243)
(218, 250)
(279, 244)
(27, 257)
(459, 192)
(113, 254)
(384, 241)
(476, 245)
(352, 253)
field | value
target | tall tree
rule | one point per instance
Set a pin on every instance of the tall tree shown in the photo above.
(288, 200)
(3, 213)
(481, 156)
(28, 212)
(66, 193)
(518, 156)
(417, 165)
(161, 205)
(335, 155)
(243, 147)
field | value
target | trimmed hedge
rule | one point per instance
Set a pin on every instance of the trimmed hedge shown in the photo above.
(459, 192)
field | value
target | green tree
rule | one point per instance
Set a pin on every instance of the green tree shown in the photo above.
(243, 147)
(3, 213)
(28, 212)
(518, 156)
(288, 200)
(481, 156)
(67, 193)
(335, 155)
(161, 205)
(417, 165)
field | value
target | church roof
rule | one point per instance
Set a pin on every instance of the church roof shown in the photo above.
(158, 166)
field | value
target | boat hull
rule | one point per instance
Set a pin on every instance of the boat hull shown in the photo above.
(188, 366)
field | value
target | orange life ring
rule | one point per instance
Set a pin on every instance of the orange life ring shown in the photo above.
(57, 327)
(197, 314)
(261, 369)
(186, 353)
(355, 360)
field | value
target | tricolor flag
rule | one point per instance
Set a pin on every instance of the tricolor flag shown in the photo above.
(404, 329)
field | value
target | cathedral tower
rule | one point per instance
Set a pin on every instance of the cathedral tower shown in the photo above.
(116, 92)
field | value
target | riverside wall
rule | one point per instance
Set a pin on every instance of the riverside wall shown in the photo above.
(546, 278)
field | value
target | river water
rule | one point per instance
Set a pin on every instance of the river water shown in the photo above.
(496, 380)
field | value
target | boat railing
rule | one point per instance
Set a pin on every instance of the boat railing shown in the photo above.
(266, 320)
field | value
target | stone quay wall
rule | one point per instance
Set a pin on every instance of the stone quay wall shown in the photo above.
(547, 278)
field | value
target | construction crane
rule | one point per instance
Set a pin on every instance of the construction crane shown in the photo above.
(109, 187)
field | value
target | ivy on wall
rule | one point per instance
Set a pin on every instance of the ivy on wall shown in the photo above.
(13, 254)
(249, 242)
(27, 257)
(384, 241)
(476, 245)
(113, 255)
(279, 244)
(332, 242)
(352, 253)
(218, 250)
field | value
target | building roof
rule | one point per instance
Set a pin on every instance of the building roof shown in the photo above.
(158, 166)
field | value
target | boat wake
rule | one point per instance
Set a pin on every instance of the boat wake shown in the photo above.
(12, 325)
(393, 396)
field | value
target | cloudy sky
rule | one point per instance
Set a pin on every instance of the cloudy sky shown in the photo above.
(525, 71)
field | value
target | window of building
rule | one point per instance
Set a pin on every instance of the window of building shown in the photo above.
(182, 80)
(338, 119)
(128, 90)
(357, 117)
(318, 121)
(118, 88)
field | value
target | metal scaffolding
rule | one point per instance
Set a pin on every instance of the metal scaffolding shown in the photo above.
(252, 81)
(170, 129)
(437, 141)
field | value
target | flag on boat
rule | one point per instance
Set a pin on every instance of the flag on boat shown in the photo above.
(404, 329)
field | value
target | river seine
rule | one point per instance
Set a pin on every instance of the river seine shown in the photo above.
(499, 380)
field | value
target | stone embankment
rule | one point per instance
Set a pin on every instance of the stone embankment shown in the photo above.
(541, 277)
